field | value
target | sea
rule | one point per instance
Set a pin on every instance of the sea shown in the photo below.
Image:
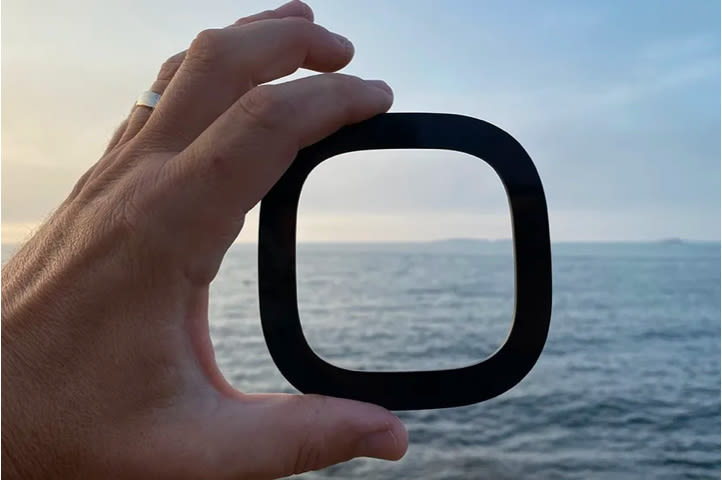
(627, 387)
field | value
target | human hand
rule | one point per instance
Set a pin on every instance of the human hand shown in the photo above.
(107, 364)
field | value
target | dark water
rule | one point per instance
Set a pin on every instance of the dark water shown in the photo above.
(628, 385)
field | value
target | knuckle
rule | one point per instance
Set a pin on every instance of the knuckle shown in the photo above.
(127, 216)
(308, 457)
(206, 47)
(266, 107)
(344, 84)
(312, 442)
(170, 66)
(297, 30)
(266, 14)
(81, 183)
(300, 23)
(125, 208)
(344, 88)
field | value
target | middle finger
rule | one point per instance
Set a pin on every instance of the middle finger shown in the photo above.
(222, 65)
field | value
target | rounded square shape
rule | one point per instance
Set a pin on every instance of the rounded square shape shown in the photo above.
(410, 390)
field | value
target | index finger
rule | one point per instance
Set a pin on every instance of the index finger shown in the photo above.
(228, 169)
(247, 149)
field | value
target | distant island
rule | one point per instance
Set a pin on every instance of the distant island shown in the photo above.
(465, 242)
(673, 241)
(469, 241)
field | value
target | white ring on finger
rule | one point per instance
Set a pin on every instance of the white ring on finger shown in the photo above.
(148, 99)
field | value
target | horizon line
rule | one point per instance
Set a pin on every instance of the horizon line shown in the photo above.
(669, 241)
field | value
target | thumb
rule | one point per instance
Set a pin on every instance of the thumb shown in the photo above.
(296, 433)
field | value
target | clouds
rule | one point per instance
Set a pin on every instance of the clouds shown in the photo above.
(618, 105)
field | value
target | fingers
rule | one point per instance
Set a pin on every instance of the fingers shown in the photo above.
(299, 433)
(222, 65)
(234, 163)
(250, 146)
(140, 115)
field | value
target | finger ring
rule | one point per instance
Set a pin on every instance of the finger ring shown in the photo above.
(148, 99)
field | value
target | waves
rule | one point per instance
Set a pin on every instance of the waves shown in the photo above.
(627, 386)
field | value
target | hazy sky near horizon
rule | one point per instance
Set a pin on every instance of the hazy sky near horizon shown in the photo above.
(618, 104)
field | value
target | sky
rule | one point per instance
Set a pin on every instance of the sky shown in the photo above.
(617, 103)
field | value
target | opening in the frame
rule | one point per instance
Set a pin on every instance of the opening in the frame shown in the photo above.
(404, 260)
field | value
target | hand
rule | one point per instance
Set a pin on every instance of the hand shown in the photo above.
(107, 364)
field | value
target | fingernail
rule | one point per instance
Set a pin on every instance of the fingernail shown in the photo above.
(380, 84)
(381, 444)
(345, 42)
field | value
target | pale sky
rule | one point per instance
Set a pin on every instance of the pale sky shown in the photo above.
(617, 103)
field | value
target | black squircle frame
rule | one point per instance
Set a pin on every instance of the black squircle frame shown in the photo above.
(425, 389)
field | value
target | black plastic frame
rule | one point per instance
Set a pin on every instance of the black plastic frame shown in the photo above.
(423, 389)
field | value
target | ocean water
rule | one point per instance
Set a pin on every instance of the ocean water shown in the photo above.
(628, 385)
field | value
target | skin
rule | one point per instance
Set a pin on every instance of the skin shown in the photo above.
(108, 369)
